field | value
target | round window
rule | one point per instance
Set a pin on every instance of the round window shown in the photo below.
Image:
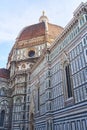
(31, 53)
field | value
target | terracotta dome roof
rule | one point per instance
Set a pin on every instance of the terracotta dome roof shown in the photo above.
(54, 30)
(38, 30)
(32, 31)
(4, 73)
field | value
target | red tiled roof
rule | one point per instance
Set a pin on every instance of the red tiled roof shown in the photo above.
(32, 31)
(38, 30)
(54, 30)
(4, 73)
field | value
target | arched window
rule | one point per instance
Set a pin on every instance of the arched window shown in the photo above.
(23, 128)
(38, 91)
(2, 91)
(32, 121)
(18, 101)
(2, 116)
(68, 80)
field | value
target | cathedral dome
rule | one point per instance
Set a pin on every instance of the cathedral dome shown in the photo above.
(32, 31)
(4, 73)
(33, 39)
(39, 29)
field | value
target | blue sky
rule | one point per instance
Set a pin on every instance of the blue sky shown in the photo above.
(16, 14)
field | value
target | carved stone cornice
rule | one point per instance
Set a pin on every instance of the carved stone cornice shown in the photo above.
(30, 42)
(81, 9)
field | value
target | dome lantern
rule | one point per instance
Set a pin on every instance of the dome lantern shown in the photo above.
(43, 18)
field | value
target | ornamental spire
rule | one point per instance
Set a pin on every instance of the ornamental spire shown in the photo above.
(43, 12)
(43, 18)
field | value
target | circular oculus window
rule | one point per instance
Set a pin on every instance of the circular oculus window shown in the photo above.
(31, 53)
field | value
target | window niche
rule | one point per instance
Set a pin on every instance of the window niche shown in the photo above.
(82, 20)
(2, 92)
(38, 100)
(48, 83)
(2, 116)
(68, 80)
(18, 101)
(49, 124)
(68, 84)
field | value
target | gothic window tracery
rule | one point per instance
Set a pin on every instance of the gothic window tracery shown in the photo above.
(68, 81)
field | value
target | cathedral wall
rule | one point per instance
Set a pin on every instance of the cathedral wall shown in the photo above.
(48, 88)
(62, 100)
(5, 105)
